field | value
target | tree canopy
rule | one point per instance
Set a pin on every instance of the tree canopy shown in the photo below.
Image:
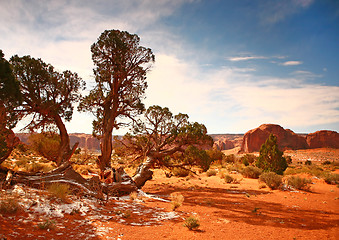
(10, 98)
(160, 135)
(271, 158)
(120, 75)
(48, 96)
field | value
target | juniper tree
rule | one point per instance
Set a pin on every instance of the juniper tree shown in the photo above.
(271, 158)
(48, 97)
(10, 98)
(120, 71)
(159, 136)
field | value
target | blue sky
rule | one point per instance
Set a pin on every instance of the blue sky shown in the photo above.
(231, 65)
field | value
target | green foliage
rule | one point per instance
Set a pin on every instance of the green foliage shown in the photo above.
(248, 159)
(192, 223)
(10, 95)
(120, 71)
(48, 224)
(272, 180)
(251, 172)
(46, 93)
(331, 178)
(299, 183)
(215, 154)
(195, 156)
(46, 144)
(230, 158)
(270, 158)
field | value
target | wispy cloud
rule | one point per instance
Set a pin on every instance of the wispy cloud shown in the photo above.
(228, 100)
(245, 58)
(291, 63)
(276, 11)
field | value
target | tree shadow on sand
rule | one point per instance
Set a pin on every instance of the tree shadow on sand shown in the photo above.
(239, 205)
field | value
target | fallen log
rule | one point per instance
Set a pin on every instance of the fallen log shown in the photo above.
(66, 174)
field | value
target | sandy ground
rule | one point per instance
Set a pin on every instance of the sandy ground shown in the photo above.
(226, 211)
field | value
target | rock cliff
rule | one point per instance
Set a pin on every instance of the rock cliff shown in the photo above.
(287, 139)
(324, 138)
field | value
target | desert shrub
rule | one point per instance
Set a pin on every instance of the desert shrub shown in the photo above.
(59, 190)
(272, 180)
(215, 154)
(195, 156)
(331, 178)
(176, 200)
(229, 179)
(46, 144)
(308, 162)
(251, 172)
(180, 172)
(299, 183)
(9, 204)
(312, 170)
(211, 172)
(236, 167)
(192, 222)
(248, 159)
(271, 158)
(47, 225)
(229, 158)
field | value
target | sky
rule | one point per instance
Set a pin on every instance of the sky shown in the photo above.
(231, 65)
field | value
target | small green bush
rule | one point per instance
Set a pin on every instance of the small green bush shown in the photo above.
(251, 172)
(229, 158)
(47, 225)
(248, 159)
(299, 183)
(272, 180)
(229, 179)
(59, 190)
(211, 172)
(331, 178)
(180, 172)
(192, 223)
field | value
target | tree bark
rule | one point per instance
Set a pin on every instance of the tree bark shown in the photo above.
(106, 152)
(65, 152)
(10, 141)
(143, 173)
(66, 174)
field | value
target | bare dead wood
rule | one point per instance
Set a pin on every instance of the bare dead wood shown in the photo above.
(66, 174)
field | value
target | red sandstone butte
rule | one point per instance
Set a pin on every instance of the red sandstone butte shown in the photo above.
(287, 139)
(323, 139)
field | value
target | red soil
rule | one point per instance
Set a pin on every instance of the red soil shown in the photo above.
(226, 211)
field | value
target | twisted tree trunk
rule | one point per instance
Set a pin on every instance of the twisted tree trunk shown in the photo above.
(144, 173)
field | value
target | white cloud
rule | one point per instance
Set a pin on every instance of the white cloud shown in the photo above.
(291, 63)
(245, 58)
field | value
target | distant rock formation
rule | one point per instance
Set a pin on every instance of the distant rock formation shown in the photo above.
(223, 144)
(286, 138)
(86, 141)
(324, 138)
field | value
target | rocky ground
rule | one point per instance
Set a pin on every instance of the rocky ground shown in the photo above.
(226, 211)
